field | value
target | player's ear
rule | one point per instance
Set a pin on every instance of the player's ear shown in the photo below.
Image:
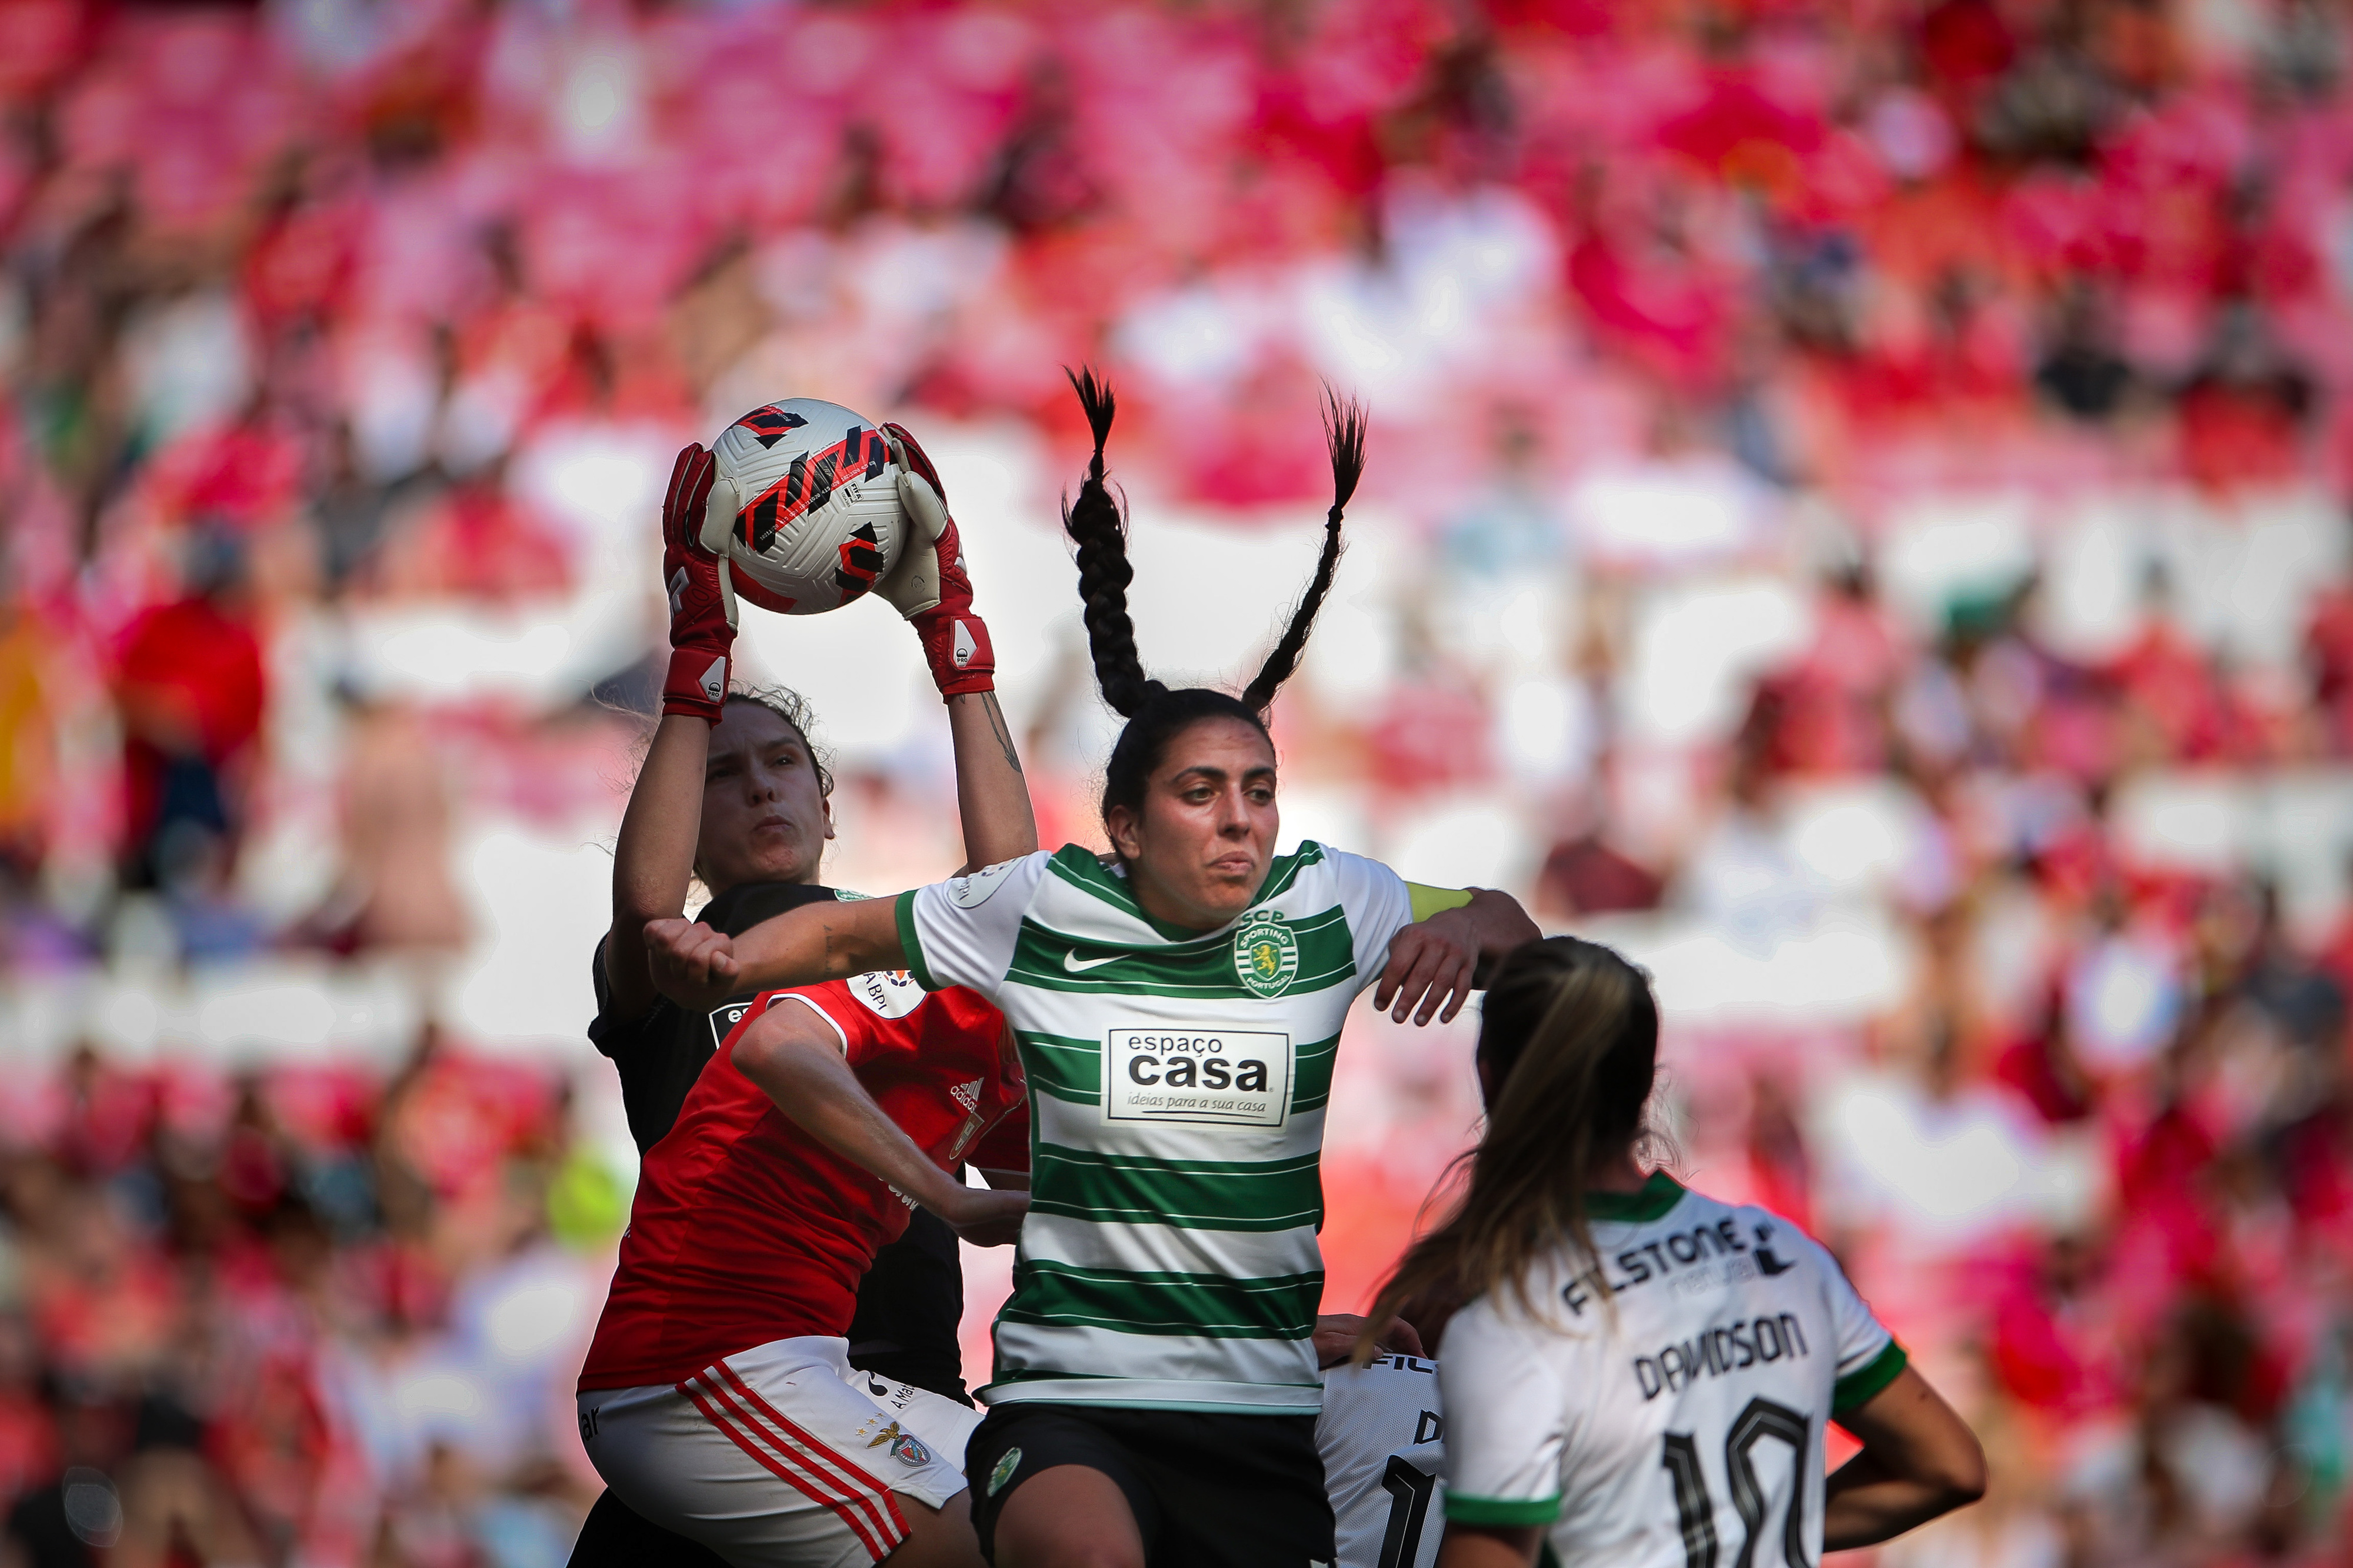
(827, 801)
(1126, 837)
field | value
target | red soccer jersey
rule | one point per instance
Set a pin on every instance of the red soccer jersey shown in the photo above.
(746, 1230)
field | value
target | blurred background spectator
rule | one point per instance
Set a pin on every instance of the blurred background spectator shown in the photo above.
(1856, 517)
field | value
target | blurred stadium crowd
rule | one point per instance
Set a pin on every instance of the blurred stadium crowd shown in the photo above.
(1856, 517)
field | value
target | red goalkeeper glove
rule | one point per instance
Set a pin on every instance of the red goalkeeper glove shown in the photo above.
(701, 596)
(930, 585)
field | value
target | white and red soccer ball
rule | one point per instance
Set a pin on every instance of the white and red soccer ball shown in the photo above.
(808, 492)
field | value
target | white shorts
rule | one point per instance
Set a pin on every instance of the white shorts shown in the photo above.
(783, 1455)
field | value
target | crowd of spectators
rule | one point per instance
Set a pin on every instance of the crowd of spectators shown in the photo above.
(298, 1313)
(1856, 515)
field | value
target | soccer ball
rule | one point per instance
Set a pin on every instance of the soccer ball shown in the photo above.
(808, 495)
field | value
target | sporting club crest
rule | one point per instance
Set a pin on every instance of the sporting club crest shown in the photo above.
(1266, 955)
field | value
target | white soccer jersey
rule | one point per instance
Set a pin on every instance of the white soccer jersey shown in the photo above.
(1177, 1083)
(1689, 1432)
(1382, 1436)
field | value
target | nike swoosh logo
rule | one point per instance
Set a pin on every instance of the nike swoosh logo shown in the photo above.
(1071, 961)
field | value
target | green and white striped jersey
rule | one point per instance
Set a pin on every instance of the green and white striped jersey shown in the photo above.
(1178, 1081)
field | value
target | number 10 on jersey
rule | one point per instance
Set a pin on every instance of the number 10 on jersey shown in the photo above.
(1696, 1509)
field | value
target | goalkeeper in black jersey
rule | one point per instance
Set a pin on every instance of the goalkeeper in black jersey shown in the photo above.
(733, 794)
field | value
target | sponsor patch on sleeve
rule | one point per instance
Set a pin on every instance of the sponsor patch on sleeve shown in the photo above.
(971, 892)
(886, 992)
(724, 1017)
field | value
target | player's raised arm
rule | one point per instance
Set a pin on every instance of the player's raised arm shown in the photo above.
(654, 857)
(695, 966)
(795, 1058)
(930, 587)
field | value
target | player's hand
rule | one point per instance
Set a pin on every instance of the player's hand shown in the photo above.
(691, 964)
(701, 590)
(1337, 1334)
(930, 585)
(1431, 961)
(987, 1217)
(912, 585)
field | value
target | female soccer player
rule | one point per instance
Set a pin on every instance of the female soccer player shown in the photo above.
(1642, 1374)
(1177, 1011)
(717, 1400)
(733, 792)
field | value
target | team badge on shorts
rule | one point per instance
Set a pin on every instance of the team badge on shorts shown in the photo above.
(1005, 1465)
(1266, 955)
(905, 1446)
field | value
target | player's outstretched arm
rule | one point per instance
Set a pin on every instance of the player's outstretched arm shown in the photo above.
(1919, 1461)
(1440, 960)
(697, 967)
(796, 1059)
(654, 857)
(931, 588)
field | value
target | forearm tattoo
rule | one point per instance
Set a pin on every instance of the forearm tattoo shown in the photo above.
(1000, 729)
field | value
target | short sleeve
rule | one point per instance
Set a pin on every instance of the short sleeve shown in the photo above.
(1379, 905)
(1868, 1357)
(828, 1008)
(614, 1037)
(1505, 1418)
(962, 931)
(826, 1005)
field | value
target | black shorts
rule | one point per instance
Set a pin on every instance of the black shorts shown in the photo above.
(1208, 1490)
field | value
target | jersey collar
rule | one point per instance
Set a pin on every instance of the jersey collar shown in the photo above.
(1659, 1195)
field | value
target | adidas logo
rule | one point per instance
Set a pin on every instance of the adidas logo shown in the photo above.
(968, 1094)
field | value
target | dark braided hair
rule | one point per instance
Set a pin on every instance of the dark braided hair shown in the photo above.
(1099, 528)
(1344, 435)
(1155, 713)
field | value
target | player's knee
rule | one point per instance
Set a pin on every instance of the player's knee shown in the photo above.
(1046, 1537)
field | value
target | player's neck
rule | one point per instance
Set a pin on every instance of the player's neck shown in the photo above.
(1622, 1173)
(795, 879)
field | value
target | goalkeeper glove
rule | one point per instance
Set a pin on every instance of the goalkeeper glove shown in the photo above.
(930, 585)
(701, 593)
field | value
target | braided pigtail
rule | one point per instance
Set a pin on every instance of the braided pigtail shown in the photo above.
(1096, 526)
(1344, 433)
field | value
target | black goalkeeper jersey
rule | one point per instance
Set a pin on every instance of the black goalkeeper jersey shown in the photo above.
(912, 1298)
